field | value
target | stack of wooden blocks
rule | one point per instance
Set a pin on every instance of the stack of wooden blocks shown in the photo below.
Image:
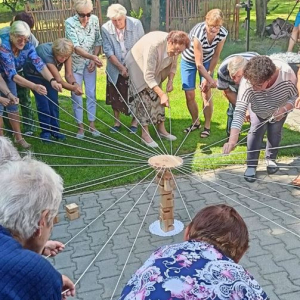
(166, 215)
(72, 211)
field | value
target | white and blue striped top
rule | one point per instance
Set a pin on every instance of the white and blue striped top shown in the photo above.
(199, 32)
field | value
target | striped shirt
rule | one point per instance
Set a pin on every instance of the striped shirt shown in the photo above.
(265, 103)
(199, 32)
(224, 79)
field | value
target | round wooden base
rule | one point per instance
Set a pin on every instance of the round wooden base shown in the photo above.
(165, 161)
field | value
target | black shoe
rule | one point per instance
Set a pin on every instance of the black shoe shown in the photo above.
(272, 167)
(250, 174)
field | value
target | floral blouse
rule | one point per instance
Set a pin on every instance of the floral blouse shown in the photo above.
(192, 270)
(10, 65)
(86, 38)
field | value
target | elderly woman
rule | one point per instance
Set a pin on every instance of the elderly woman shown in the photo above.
(30, 196)
(150, 61)
(84, 31)
(55, 55)
(15, 50)
(205, 266)
(270, 87)
(207, 41)
(119, 35)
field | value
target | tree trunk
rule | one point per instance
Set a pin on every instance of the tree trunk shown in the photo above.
(127, 5)
(261, 12)
(155, 9)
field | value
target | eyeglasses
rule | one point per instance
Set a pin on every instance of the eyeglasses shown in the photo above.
(214, 26)
(84, 15)
(21, 38)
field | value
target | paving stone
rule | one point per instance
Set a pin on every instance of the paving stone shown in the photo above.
(279, 252)
(281, 283)
(266, 264)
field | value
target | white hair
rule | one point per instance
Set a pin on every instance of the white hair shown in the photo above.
(20, 28)
(79, 4)
(7, 150)
(116, 11)
(28, 187)
(235, 64)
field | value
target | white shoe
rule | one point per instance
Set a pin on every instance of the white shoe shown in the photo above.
(80, 136)
(150, 144)
(169, 137)
(95, 132)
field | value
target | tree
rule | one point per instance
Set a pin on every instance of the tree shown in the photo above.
(12, 4)
(261, 13)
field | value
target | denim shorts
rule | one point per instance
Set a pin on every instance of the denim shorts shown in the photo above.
(188, 74)
(297, 20)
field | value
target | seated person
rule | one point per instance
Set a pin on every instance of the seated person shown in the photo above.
(30, 196)
(205, 266)
(230, 74)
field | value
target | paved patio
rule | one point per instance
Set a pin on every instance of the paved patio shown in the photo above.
(273, 257)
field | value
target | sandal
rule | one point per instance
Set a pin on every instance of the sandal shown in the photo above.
(296, 181)
(23, 144)
(192, 127)
(205, 133)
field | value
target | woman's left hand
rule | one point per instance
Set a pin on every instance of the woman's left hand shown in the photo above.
(91, 67)
(169, 86)
(68, 287)
(57, 86)
(52, 248)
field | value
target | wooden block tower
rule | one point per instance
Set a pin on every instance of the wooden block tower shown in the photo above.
(166, 186)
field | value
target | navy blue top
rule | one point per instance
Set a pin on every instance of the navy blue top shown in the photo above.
(26, 275)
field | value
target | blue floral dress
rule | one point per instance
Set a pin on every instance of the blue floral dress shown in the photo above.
(192, 270)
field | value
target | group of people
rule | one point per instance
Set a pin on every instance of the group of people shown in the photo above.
(204, 266)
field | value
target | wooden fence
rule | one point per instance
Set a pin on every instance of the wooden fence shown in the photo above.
(49, 17)
(184, 14)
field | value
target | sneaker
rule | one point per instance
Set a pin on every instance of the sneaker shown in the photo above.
(59, 136)
(168, 136)
(250, 174)
(80, 136)
(149, 144)
(28, 133)
(23, 144)
(46, 137)
(272, 167)
(94, 132)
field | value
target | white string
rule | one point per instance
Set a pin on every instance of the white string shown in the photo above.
(86, 139)
(91, 263)
(111, 81)
(101, 182)
(206, 105)
(96, 165)
(136, 237)
(170, 120)
(252, 199)
(177, 187)
(222, 194)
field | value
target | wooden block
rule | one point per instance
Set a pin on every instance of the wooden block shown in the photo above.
(167, 204)
(166, 225)
(166, 213)
(172, 184)
(167, 175)
(167, 185)
(73, 215)
(73, 207)
(56, 219)
(163, 191)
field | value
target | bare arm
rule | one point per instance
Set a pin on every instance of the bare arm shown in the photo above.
(230, 95)
(122, 69)
(199, 62)
(85, 54)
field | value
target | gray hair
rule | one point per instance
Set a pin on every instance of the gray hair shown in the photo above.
(20, 28)
(28, 187)
(116, 11)
(79, 4)
(7, 150)
(235, 64)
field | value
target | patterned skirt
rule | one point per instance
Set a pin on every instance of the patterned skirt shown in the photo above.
(114, 98)
(146, 106)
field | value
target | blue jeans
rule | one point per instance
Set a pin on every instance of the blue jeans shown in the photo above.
(48, 109)
(188, 74)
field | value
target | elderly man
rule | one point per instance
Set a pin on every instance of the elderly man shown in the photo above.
(270, 87)
(30, 196)
(230, 74)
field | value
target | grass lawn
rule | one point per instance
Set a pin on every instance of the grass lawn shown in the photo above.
(99, 158)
